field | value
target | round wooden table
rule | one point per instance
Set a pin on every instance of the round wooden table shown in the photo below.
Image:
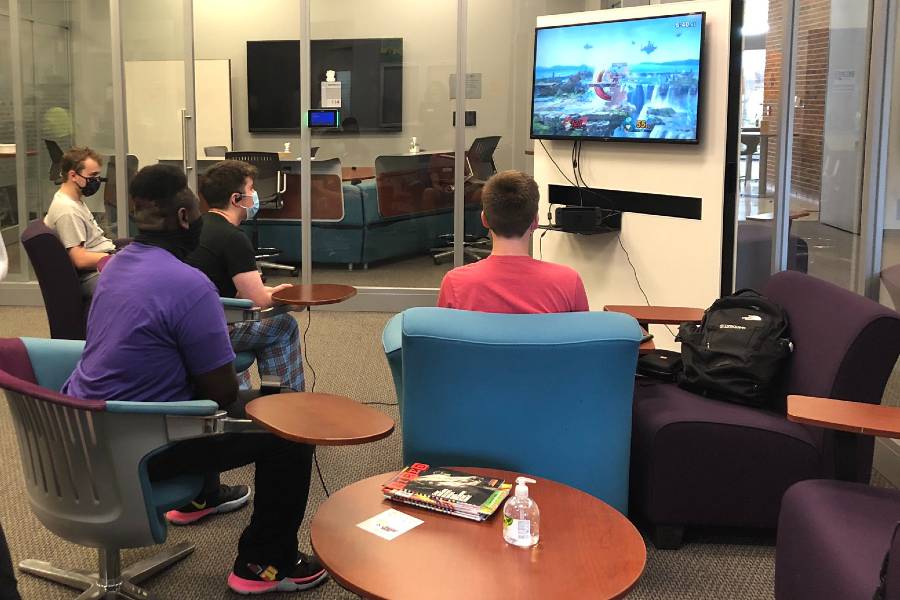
(319, 419)
(314, 294)
(587, 549)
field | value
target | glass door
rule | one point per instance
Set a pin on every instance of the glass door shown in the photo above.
(383, 182)
(830, 96)
(158, 83)
(247, 100)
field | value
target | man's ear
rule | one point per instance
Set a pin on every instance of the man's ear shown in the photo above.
(183, 220)
(484, 221)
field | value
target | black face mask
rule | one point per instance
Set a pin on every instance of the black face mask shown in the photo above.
(180, 242)
(91, 186)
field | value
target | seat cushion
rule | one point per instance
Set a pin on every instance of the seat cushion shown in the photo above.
(832, 538)
(699, 461)
(243, 361)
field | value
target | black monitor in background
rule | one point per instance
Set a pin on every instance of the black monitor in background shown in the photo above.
(370, 72)
(273, 86)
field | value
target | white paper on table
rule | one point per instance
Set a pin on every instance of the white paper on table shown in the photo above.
(389, 524)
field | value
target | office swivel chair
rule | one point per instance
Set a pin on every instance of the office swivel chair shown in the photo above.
(481, 157)
(56, 155)
(84, 465)
(480, 163)
(270, 184)
(109, 187)
(215, 151)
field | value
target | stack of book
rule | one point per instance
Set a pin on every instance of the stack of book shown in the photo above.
(448, 491)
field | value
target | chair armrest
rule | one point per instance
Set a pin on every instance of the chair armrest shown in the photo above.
(855, 417)
(239, 310)
(392, 336)
(188, 408)
(274, 311)
(660, 315)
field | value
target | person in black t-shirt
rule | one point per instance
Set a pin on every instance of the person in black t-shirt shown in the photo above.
(227, 257)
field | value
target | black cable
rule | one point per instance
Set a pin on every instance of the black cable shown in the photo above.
(381, 403)
(319, 471)
(550, 156)
(312, 388)
(637, 280)
(304, 352)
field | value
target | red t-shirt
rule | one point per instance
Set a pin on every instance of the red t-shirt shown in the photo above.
(513, 284)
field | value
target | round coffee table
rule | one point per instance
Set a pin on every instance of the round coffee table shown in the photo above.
(314, 294)
(587, 549)
(319, 419)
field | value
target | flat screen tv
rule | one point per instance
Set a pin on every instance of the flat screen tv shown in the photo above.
(636, 80)
(370, 72)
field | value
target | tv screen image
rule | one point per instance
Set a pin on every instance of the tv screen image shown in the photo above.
(632, 80)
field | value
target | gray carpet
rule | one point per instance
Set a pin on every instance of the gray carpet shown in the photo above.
(344, 350)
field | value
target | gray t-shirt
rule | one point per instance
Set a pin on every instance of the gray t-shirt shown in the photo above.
(75, 225)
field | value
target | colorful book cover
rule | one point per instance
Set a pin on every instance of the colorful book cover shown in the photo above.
(446, 490)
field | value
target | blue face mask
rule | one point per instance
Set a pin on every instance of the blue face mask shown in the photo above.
(251, 211)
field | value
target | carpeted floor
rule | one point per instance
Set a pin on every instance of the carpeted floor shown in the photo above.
(344, 349)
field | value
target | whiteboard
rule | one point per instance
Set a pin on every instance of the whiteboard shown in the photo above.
(154, 99)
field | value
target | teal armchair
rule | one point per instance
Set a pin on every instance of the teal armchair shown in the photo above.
(546, 394)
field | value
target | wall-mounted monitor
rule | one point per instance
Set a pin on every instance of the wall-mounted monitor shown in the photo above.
(370, 72)
(631, 80)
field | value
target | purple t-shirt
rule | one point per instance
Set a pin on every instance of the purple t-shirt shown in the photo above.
(154, 323)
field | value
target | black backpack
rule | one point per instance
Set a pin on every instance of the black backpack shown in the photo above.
(737, 352)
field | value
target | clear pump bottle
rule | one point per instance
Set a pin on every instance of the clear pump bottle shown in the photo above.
(521, 517)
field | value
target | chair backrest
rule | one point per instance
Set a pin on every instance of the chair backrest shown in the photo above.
(402, 180)
(83, 464)
(481, 156)
(56, 155)
(215, 151)
(267, 167)
(845, 345)
(109, 188)
(326, 180)
(60, 286)
(546, 394)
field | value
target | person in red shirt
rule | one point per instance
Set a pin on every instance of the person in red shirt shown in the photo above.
(509, 280)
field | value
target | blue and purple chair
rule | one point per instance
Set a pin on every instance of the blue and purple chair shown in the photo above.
(84, 464)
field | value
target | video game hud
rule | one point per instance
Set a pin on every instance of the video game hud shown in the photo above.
(636, 79)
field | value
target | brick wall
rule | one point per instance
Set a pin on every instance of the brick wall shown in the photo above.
(811, 78)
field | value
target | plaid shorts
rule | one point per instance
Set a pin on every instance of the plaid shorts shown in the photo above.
(276, 344)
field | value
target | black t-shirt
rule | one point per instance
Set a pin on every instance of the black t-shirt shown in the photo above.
(224, 251)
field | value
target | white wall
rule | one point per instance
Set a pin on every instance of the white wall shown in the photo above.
(677, 260)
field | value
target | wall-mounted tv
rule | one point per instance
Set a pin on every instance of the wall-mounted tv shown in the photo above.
(370, 72)
(636, 80)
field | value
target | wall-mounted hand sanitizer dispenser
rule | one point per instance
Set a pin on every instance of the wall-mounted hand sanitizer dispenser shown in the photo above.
(331, 91)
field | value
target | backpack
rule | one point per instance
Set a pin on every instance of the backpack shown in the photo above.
(738, 351)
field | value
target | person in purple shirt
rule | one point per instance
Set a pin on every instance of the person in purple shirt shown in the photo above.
(156, 332)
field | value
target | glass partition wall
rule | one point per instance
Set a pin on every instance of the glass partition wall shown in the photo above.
(183, 81)
(383, 182)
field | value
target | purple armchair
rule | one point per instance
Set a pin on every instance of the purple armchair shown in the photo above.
(66, 307)
(833, 536)
(702, 462)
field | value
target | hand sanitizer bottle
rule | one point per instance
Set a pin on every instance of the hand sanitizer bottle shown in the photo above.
(413, 146)
(521, 517)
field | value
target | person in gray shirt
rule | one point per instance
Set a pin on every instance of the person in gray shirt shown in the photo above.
(72, 219)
